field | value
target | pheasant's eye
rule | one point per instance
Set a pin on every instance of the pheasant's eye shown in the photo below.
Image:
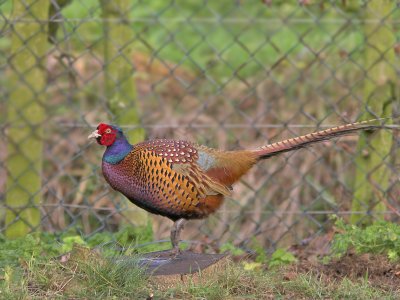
(108, 130)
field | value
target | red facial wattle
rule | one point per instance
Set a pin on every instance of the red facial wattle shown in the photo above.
(107, 134)
(108, 139)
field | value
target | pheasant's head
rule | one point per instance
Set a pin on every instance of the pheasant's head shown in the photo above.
(106, 134)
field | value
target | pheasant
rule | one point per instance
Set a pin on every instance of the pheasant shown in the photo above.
(181, 180)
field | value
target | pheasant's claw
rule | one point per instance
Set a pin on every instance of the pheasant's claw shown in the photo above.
(176, 251)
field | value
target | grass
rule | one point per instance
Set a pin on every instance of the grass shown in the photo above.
(42, 266)
(311, 287)
(225, 38)
(219, 37)
(86, 274)
(82, 274)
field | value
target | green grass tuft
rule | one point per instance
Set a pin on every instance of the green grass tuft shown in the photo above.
(381, 237)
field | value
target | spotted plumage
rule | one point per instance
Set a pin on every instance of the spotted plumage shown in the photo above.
(167, 179)
(181, 180)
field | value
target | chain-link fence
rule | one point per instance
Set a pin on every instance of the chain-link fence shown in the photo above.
(229, 74)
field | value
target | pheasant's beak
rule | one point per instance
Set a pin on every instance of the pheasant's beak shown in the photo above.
(95, 134)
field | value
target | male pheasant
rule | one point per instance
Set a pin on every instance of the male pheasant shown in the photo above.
(181, 180)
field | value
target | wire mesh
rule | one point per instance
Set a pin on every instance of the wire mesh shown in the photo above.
(227, 74)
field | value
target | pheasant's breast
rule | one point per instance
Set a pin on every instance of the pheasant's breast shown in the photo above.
(149, 180)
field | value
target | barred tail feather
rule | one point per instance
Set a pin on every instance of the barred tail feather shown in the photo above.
(315, 137)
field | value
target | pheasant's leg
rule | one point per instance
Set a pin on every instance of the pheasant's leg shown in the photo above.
(175, 232)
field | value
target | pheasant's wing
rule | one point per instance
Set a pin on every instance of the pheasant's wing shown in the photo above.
(184, 159)
(205, 185)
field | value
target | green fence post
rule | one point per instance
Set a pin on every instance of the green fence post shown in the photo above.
(120, 88)
(372, 175)
(25, 116)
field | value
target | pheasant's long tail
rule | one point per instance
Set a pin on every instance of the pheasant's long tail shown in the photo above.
(315, 137)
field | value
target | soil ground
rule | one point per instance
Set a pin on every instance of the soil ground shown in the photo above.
(379, 272)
